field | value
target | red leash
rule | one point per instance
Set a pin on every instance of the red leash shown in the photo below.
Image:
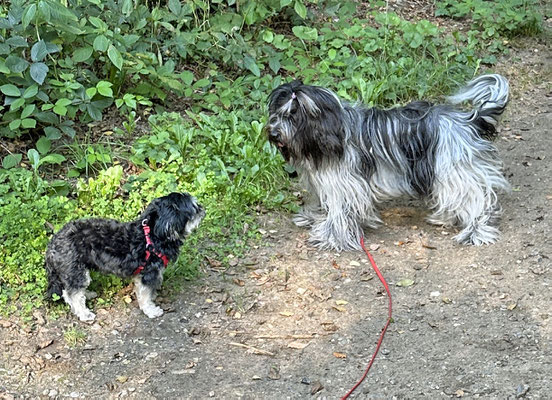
(382, 279)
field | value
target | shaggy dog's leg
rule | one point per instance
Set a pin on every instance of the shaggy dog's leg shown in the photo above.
(348, 204)
(145, 295)
(76, 298)
(465, 196)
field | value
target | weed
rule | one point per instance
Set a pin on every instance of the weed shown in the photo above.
(74, 337)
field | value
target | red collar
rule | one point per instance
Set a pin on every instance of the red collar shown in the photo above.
(149, 244)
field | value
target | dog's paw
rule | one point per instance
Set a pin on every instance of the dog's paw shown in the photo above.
(152, 311)
(87, 316)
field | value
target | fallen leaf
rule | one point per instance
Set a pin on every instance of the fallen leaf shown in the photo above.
(213, 263)
(340, 309)
(405, 282)
(459, 393)
(238, 282)
(374, 247)
(341, 302)
(44, 344)
(340, 355)
(127, 299)
(354, 264)
(297, 345)
(511, 306)
(122, 379)
(286, 313)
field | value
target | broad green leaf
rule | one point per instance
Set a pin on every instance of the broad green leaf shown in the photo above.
(300, 9)
(268, 36)
(104, 88)
(39, 51)
(305, 33)
(43, 145)
(33, 157)
(250, 64)
(28, 15)
(115, 57)
(28, 110)
(11, 160)
(28, 123)
(274, 64)
(127, 7)
(52, 133)
(91, 92)
(175, 7)
(60, 108)
(10, 90)
(15, 124)
(17, 104)
(31, 91)
(82, 54)
(285, 3)
(52, 159)
(38, 72)
(187, 77)
(16, 64)
(101, 43)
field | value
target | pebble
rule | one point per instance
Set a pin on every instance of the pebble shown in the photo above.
(522, 390)
(435, 294)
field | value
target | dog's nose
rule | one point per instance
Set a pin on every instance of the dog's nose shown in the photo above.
(274, 134)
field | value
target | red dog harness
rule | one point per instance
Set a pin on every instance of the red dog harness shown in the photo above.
(149, 244)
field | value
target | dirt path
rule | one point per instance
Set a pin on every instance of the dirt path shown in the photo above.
(292, 322)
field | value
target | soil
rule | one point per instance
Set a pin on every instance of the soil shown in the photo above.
(289, 321)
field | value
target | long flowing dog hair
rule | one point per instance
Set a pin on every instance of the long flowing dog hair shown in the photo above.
(350, 157)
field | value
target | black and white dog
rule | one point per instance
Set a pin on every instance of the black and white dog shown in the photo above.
(139, 249)
(350, 158)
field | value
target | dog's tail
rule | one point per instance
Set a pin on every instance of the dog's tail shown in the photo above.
(55, 286)
(489, 96)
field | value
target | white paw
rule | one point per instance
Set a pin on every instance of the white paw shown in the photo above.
(87, 316)
(152, 311)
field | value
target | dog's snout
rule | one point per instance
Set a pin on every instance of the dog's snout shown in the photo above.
(274, 134)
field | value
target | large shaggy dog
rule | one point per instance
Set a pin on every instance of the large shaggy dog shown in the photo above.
(350, 157)
(139, 249)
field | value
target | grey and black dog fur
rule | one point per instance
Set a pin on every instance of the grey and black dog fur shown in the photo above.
(119, 248)
(350, 157)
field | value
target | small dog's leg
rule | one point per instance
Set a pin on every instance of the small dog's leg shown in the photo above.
(145, 295)
(77, 302)
(76, 298)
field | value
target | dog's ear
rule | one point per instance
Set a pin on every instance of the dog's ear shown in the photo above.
(319, 124)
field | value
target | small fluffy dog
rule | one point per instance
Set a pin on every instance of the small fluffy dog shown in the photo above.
(350, 157)
(139, 249)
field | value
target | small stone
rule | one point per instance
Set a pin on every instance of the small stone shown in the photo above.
(435, 294)
(354, 263)
(306, 381)
(211, 394)
(316, 387)
(522, 390)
